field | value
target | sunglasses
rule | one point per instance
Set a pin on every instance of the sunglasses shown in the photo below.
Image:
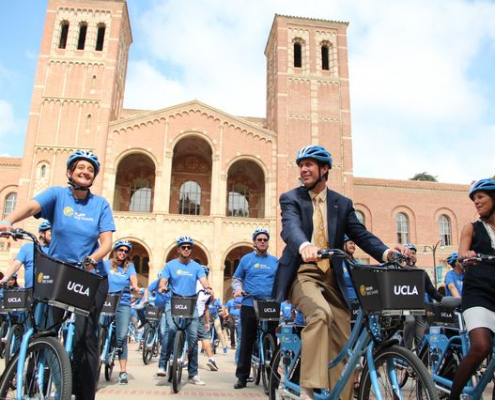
(262, 240)
(123, 251)
(185, 247)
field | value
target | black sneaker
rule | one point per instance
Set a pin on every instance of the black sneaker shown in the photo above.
(123, 378)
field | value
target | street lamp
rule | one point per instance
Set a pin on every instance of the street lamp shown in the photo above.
(434, 250)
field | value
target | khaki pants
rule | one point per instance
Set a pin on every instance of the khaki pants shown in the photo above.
(328, 327)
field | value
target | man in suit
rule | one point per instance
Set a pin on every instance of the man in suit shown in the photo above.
(315, 217)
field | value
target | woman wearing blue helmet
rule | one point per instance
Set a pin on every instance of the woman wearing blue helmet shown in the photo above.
(478, 291)
(455, 277)
(82, 225)
(122, 278)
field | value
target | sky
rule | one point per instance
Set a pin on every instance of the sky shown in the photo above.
(422, 73)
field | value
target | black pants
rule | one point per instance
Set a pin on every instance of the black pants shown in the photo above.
(249, 325)
(231, 327)
(85, 354)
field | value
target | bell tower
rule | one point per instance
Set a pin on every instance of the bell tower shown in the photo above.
(308, 96)
(78, 89)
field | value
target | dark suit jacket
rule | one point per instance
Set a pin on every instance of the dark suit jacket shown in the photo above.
(297, 228)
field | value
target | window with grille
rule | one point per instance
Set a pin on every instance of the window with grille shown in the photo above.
(402, 225)
(445, 230)
(140, 195)
(190, 198)
(238, 202)
(9, 205)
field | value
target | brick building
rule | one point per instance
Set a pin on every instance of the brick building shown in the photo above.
(196, 170)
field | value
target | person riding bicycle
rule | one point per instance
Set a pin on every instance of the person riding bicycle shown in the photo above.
(82, 226)
(455, 277)
(478, 291)
(217, 309)
(180, 275)
(26, 254)
(122, 278)
(314, 217)
(415, 325)
(254, 275)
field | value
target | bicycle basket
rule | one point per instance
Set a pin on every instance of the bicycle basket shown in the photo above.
(64, 285)
(438, 315)
(389, 291)
(267, 310)
(152, 313)
(18, 299)
(183, 306)
(111, 303)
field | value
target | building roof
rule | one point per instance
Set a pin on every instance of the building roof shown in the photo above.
(408, 184)
(11, 161)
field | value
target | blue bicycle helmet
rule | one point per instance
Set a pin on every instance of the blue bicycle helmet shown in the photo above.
(411, 247)
(44, 226)
(122, 243)
(452, 258)
(346, 238)
(485, 185)
(84, 155)
(185, 240)
(259, 231)
(318, 153)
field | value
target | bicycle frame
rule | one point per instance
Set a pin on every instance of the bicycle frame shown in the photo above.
(108, 340)
(260, 359)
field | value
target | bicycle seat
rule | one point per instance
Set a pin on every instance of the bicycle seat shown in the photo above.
(450, 302)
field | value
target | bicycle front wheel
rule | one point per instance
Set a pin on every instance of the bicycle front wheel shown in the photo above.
(392, 365)
(268, 352)
(148, 345)
(178, 361)
(46, 374)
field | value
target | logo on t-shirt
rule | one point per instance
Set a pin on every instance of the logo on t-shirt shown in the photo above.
(182, 272)
(69, 212)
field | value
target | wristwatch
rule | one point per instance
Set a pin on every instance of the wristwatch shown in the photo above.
(89, 263)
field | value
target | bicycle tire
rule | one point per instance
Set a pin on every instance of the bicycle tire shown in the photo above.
(56, 363)
(276, 371)
(256, 368)
(178, 362)
(268, 350)
(402, 361)
(13, 342)
(110, 361)
(147, 346)
(4, 330)
(102, 338)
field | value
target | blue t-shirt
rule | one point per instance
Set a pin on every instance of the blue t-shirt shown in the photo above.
(231, 307)
(76, 224)
(26, 257)
(257, 274)
(456, 279)
(119, 280)
(214, 307)
(182, 277)
(161, 299)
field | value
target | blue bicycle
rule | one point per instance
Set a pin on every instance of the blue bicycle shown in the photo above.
(108, 334)
(372, 338)
(152, 337)
(41, 367)
(446, 342)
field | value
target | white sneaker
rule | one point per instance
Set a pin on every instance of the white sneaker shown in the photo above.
(196, 380)
(161, 372)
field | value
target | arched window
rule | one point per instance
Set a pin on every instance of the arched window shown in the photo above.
(238, 202)
(140, 195)
(445, 229)
(325, 58)
(81, 41)
(190, 198)
(43, 171)
(64, 33)
(360, 217)
(9, 205)
(297, 55)
(402, 224)
(100, 37)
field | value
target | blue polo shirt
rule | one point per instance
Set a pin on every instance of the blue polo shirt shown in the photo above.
(182, 277)
(119, 280)
(76, 224)
(257, 274)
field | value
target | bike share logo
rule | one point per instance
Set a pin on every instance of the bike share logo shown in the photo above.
(405, 290)
(44, 279)
(78, 288)
(367, 290)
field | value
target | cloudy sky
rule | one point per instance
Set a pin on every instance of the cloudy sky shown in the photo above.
(422, 73)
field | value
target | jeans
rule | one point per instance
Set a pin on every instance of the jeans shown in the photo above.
(167, 349)
(192, 342)
(122, 318)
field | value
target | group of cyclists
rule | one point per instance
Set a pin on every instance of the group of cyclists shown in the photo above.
(78, 227)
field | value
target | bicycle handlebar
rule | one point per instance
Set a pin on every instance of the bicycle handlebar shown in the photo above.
(478, 258)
